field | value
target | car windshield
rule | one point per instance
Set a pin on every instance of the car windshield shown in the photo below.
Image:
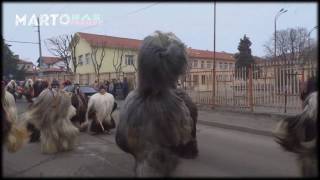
(68, 88)
(87, 89)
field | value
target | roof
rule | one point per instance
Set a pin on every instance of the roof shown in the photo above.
(20, 61)
(50, 60)
(53, 70)
(195, 53)
(111, 41)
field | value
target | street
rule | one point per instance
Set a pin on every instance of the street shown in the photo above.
(222, 153)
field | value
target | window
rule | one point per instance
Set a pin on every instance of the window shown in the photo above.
(220, 65)
(87, 58)
(195, 79)
(230, 66)
(225, 65)
(80, 60)
(203, 79)
(129, 59)
(202, 64)
(195, 63)
(208, 64)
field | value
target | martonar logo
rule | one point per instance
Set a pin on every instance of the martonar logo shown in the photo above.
(57, 19)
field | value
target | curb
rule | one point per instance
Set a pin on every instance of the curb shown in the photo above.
(271, 114)
(238, 128)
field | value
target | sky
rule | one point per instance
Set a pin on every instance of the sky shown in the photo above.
(193, 23)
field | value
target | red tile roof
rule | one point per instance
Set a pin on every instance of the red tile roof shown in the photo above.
(52, 70)
(50, 60)
(195, 53)
(111, 41)
(20, 61)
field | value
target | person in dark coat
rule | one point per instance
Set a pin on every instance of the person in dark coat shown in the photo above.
(125, 88)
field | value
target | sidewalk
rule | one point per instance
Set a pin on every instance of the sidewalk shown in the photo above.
(262, 124)
(251, 122)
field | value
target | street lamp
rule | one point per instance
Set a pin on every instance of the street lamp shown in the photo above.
(316, 27)
(282, 11)
(309, 45)
(275, 30)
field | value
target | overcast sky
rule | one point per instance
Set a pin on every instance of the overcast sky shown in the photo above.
(191, 22)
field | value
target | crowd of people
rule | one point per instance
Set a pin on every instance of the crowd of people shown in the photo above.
(115, 87)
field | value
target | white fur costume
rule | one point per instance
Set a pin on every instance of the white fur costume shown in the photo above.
(102, 104)
(18, 134)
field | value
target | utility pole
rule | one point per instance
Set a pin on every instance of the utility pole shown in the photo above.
(39, 39)
(214, 57)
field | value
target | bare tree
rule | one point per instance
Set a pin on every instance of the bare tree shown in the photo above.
(292, 44)
(59, 46)
(97, 62)
(72, 48)
(117, 60)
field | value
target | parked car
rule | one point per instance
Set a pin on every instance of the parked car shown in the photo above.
(87, 90)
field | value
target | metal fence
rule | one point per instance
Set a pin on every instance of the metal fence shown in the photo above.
(89, 78)
(268, 87)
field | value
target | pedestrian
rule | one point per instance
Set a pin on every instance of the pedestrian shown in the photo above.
(55, 84)
(111, 87)
(107, 86)
(125, 87)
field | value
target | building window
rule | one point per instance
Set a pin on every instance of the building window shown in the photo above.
(230, 66)
(202, 64)
(87, 58)
(195, 79)
(195, 63)
(226, 66)
(203, 79)
(208, 64)
(80, 60)
(129, 59)
(220, 65)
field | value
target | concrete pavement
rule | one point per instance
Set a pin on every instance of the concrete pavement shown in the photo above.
(257, 123)
(223, 153)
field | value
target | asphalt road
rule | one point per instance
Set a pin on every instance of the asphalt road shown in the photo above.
(222, 153)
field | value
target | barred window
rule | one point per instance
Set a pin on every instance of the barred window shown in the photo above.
(87, 58)
(80, 60)
(129, 60)
(195, 63)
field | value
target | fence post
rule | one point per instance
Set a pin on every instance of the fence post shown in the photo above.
(213, 86)
(250, 89)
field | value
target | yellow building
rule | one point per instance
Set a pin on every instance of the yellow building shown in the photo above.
(121, 56)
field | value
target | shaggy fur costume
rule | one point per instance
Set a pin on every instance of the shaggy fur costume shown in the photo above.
(99, 113)
(156, 125)
(15, 135)
(298, 134)
(80, 102)
(50, 114)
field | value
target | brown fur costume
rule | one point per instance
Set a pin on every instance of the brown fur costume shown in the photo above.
(51, 114)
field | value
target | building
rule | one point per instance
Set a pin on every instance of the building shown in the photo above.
(200, 71)
(27, 66)
(52, 62)
(118, 55)
(52, 68)
(121, 54)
